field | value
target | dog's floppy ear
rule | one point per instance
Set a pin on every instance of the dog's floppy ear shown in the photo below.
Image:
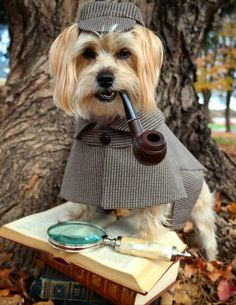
(63, 68)
(148, 64)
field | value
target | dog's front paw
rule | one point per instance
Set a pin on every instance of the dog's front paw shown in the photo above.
(159, 236)
(78, 212)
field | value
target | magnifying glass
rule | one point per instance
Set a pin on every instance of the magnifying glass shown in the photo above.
(77, 236)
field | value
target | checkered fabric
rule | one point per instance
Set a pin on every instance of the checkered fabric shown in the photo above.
(102, 170)
(100, 17)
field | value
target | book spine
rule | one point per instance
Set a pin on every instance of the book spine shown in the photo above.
(115, 293)
(47, 288)
(61, 290)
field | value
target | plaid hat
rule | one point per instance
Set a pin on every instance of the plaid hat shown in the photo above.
(100, 17)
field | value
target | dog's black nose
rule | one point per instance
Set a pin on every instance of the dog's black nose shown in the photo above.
(105, 79)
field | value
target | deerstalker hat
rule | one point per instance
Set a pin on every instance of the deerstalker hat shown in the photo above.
(100, 17)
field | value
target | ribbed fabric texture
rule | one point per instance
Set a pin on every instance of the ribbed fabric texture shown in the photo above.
(107, 175)
(102, 17)
(182, 208)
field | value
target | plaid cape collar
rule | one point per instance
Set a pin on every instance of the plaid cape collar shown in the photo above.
(148, 120)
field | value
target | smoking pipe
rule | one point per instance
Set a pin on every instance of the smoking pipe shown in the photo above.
(149, 147)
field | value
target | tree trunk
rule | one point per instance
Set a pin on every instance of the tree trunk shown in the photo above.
(35, 137)
(206, 99)
(227, 111)
(183, 25)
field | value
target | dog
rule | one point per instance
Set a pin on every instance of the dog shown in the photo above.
(89, 68)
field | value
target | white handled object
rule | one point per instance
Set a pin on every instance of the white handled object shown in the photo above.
(145, 248)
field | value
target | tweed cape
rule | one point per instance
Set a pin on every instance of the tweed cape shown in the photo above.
(102, 170)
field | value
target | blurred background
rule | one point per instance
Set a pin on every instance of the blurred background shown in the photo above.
(216, 73)
(216, 69)
(216, 64)
(4, 43)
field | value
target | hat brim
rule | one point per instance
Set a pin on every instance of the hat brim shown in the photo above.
(107, 24)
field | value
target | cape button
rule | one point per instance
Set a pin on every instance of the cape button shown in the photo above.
(105, 139)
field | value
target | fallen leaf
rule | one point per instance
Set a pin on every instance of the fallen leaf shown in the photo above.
(217, 264)
(4, 257)
(232, 232)
(227, 273)
(201, 264)
(212, 272)
(217, 271)
(217, 203)
(189, 270)
(4, 292)
(210, 267)
(167, 298)
(213, 276)
(4, 273)
(181, 296)
(44, 303)
(225, 290)
(232, 220)
(14, 300)
(231, 208)
(233, 264)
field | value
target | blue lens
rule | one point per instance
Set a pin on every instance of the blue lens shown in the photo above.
(76, 233)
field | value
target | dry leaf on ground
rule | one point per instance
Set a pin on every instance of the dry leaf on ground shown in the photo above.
(44, 303)
(225, 290)
(231, 208)
(218, 203)
(14, 300)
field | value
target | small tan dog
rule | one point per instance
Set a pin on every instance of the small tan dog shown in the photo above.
(89, 68)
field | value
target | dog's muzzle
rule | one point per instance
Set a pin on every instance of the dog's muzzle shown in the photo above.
(105, 80)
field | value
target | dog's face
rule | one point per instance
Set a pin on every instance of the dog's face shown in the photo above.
(90, 69)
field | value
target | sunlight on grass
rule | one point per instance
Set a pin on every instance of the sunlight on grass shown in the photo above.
(227, 141)
(231, 141)
(220, 127)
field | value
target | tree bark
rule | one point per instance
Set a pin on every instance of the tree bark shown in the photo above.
(35, 137)
(183, 25)
(206, 99)
(227, 111)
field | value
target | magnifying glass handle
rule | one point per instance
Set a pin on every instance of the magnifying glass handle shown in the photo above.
(148, 249)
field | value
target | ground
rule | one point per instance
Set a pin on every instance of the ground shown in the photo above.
(199, 282)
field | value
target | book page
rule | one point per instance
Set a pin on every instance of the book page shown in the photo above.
(111, 257)
(36, 225)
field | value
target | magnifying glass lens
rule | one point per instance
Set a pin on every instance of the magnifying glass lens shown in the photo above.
(76, 233)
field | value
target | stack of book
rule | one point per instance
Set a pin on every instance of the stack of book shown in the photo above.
(54, 285)
(119, 278)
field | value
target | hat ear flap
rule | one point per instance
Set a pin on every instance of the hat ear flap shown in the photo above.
(149, 64)
(63, 68)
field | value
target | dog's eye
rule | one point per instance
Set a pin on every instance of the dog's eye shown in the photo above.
(89, 54)
(123, 54)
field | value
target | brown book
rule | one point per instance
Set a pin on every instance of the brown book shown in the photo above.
(110, 290)
(121, 278)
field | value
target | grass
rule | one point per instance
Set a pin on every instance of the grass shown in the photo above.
(220, 127)
(227, 141)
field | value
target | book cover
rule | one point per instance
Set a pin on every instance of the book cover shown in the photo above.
(54, 285)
